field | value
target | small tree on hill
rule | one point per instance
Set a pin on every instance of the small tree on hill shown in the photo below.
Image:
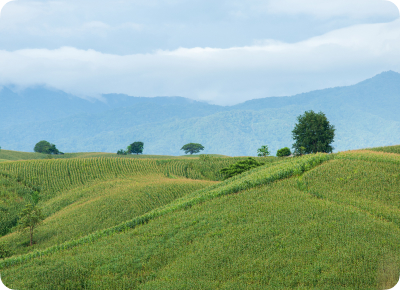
(284, 152)
(192, 148)
(31, 217)
(136, 148)
(313, 132)
(46, 148)
(263, 151)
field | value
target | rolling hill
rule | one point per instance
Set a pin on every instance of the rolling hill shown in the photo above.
(323, 221)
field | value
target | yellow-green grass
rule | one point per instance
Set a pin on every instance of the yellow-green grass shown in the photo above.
(249, 234)
(388, 149)
(87, 209)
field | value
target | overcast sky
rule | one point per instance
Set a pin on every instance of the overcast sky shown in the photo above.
(219, 51)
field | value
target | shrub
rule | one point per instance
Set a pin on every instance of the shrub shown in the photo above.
(284, 152)
(240, 167)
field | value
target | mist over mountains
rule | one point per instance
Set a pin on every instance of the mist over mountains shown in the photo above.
(365, 115)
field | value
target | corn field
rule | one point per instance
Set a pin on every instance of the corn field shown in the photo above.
(323, 221)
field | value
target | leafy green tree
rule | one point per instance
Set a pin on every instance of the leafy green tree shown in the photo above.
(30, 218)
(313, 132)
(122, 152)
(136, 148)
(300, 151)
(284, 152)
(240, 167)
(263, 151)
(192, 148)
(46, 148)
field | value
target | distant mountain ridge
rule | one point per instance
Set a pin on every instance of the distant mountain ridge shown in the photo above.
(365, 115)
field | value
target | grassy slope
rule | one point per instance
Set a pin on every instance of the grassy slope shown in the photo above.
(112, 190)
(86, 209)
(336, 227)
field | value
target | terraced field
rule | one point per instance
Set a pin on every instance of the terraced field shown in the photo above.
(325, 221)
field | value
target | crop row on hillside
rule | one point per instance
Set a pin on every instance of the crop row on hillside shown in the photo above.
(58, 175)
(259, 176)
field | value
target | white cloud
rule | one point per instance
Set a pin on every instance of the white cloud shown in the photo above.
(329, 8)
(223, 76)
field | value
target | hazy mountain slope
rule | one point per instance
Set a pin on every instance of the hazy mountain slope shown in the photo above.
(38, 104)
(378, 95)
(365, 115)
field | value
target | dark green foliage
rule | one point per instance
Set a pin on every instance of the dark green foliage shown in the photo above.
(263, 151)
(14, 194)
(4, 250)
(240, 167)
(192, 148)
(314, 133)
(122, 152)
(136, 148)
(46, 148)
(284, 152)
(31, 216)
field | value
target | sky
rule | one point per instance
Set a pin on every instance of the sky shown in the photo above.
(219, 51)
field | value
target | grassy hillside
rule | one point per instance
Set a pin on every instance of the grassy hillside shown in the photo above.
(316, 222)
(59, 183)
(9, 155)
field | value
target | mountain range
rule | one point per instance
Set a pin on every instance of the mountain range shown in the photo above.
(365, 115)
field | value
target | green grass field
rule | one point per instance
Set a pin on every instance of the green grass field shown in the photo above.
(325, 221)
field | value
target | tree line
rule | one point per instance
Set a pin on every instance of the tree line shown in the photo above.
(313, 133)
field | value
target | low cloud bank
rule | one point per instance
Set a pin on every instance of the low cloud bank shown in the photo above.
(221, 76)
